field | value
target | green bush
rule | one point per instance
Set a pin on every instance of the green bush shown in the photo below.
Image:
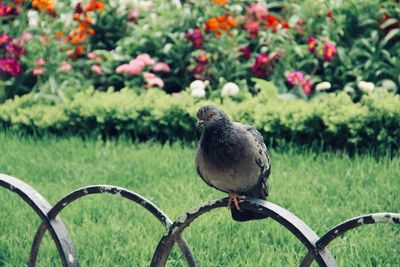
(335, 122)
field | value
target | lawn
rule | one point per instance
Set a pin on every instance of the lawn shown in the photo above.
(322, 189)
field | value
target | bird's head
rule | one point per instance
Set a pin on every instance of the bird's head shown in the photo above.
(209, 116)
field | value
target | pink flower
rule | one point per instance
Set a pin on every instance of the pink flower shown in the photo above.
(134, 15)
(97, 69)
(146, 59)
(37, 71)
(4, 39)
(10, 66)
(312, 43)
(306, 87)
(258, 11)
(161, 67)
(149, 75)
(131, 69)
(295, 77)
(329, 51)
(14, 49)
(39, 62)
(137, 62)
(93, 56)
(25, 37)
(121, 69)
(65, 67)
(252, 28)
(152, 80)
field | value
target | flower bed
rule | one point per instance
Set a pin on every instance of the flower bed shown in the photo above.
(50, 47)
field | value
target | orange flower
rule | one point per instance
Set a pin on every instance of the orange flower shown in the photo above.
(212, 24)
(43, 5)
(91, 31)
(220, 2)
(231, 22)
(59, 34)
(94, 5)
(221, 23)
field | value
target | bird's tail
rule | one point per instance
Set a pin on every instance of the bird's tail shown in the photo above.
(260, 192)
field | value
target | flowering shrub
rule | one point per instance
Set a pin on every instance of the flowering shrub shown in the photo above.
(299, 46)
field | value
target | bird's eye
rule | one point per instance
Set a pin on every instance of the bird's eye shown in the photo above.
(211, 114)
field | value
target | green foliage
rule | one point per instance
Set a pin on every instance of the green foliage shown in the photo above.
(335, 121)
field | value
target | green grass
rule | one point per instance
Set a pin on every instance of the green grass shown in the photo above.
(322, 189)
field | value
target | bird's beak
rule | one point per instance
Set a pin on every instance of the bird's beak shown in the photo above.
(199, 124)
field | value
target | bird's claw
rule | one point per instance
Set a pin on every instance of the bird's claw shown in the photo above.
(233, 197)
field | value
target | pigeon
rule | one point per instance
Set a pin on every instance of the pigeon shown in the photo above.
(233, 158)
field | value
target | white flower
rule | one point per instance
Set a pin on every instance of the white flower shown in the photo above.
(366, 86)
(146, 5)
(198, 92)
(236, 8)
(323, 86)
(389, 85)
(349, 90)
(230, 89)
(198, 84)
(197, 88)
(33, 18)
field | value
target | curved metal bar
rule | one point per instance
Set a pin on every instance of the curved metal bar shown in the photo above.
(57, 228)
(348, 225)
(99, 189)
(304, 233)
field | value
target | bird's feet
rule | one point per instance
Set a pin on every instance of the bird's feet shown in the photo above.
(233, 197)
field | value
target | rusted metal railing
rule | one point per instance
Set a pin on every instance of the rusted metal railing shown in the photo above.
(316, 246)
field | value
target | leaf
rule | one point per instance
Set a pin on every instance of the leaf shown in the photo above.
(267, 86)
(276, 4)
(387, 23)
(392, 34)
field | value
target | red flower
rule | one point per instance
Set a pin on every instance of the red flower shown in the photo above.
(285, 24)
(196, 37)
(4, 39)
(252, 29)
(312, 43)
(7, 10)
(329, 51)
(245, 51)
(329, 14)
(10, 66)
(260, 65)
(272, 22)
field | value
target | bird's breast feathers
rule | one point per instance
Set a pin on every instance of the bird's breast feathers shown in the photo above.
(239, 176)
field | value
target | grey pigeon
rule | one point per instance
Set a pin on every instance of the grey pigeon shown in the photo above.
(232, 158)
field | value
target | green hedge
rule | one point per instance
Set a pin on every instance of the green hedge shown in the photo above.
(334, 122)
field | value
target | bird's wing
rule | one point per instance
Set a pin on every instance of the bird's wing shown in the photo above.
(263, 161)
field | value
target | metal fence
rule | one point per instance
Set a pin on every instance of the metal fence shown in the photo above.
(316, 246)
